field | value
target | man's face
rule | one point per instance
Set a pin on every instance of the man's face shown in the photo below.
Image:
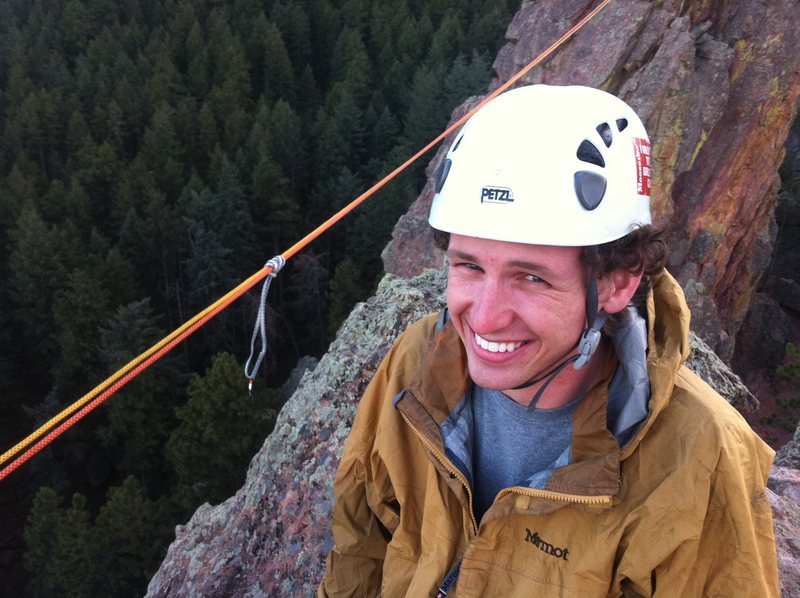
(519, 309)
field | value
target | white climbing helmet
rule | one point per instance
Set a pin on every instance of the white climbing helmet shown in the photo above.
(547, 165)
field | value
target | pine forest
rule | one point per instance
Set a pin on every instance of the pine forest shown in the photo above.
(152, 156)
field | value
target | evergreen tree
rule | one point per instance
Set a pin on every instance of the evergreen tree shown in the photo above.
(288, 147)
(69, 555)
(231, 95)
(125, 556)
(276, 216)
(161, 152)
(307, 96)
(352, 68)
(218, 228)
(327, 159)
(325, 25)
(295, 27)
(348, 120)
(306, 289)
(220, 429)
(346, 289)
(197, 69)
(465, 78)
(57, 543)
(278, 70)
(426, 115)
(39, 262)
(447, 40)
(80, 308)
(141, 417)
(415, 38)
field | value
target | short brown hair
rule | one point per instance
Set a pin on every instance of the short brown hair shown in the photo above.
(642, 250)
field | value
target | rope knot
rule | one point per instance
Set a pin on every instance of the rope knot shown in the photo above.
(276, 263)
(260, 328)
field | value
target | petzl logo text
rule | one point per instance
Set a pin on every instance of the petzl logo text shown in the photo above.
(496, 195)
(545, 547)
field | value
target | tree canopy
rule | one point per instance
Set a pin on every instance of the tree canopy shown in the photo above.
(152, 155)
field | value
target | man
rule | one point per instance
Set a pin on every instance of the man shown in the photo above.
(542, 437)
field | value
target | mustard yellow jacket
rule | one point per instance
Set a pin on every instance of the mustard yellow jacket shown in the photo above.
(679, 510)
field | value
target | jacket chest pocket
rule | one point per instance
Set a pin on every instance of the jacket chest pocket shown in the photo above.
(538, 556)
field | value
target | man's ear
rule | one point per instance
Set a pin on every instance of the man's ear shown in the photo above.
(616, 290)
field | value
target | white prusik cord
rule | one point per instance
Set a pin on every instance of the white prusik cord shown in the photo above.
(260, 328)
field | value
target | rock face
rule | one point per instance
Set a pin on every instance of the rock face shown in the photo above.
(783, 492)
(716, 84)
(789, 454)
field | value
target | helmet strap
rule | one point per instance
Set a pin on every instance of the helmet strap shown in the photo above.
(595, 320)
(587, 346)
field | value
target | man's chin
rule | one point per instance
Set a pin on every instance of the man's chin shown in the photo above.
(495, 380)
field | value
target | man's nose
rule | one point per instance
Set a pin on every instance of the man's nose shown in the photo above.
(491, 309)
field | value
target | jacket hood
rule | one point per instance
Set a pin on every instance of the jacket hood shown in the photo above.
(668, 347)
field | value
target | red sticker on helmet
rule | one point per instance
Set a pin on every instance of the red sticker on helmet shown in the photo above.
(641, 151)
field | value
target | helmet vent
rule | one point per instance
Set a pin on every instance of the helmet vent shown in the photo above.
(457, 143)
(444, 170)
(622, 124)
(590, 188)
(605, 133)
(588, 152)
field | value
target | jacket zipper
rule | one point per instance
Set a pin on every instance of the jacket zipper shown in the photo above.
(453, 471)
(549, 494)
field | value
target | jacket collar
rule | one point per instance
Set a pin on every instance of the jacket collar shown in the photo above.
(442, 382)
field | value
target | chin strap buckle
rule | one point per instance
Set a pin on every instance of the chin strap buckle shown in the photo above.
(590, 341)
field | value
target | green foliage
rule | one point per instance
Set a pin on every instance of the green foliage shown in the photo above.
(131, 552)
(152, 155)
(68, 554)
(346, 289)
(58, 546)
(79, 310)
(141, 417)
(220, 428)
(40, 260)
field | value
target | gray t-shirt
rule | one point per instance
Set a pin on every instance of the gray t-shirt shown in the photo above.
(513, 446)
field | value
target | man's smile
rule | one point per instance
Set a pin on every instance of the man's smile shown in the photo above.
(497, 347)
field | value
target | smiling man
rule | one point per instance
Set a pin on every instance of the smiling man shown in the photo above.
(541, 437)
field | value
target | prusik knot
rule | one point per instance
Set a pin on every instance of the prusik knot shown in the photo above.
(260, 329)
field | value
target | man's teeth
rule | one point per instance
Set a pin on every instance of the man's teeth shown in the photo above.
(496, 347)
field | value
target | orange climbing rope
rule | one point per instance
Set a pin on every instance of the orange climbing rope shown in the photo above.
(78, 410)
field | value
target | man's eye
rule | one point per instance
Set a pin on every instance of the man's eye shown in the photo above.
(533, 278)
(465, 265)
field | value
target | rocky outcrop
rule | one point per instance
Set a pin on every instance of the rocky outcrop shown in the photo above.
(789, 454)
(716, 84)
(783, 492)
(271, 538)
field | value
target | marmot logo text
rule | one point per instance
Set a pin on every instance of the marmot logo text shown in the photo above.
(545, 547)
